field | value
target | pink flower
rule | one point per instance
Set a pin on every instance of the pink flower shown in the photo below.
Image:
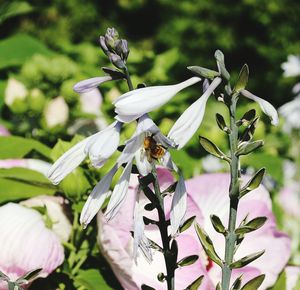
(4, 131)
(207, 194)
(26, 243)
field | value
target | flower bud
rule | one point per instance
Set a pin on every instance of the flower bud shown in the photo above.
(122, 49)
(116, 60)
(103, 44)
(111, 36)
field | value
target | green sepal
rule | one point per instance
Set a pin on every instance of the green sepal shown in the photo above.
(219, 56)
(195, 284)
(246, 260)
(254, 283)
(203, 72)
(247, 117)
(242, 79)
(187, 224)
(221, 123)
(217, 224)
(237, 284)
(254, 182)
(212, 148)
(207, 245)
(245, 148)
(190, 260)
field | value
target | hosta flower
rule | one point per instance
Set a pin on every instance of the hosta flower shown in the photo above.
(56, 112)
(99, 147)
(91, 102)
(135, 149)
(88, 85)
(26, 243)
(136, 103)
(292, 66)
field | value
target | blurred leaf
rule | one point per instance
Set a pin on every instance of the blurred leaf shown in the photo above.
(254, 283)
(15, 50)
(18, 147)
(190, 260)
(203, 72)
(281, 282)
(196, 284)
(90, 279)
(246, 260)
(14, 8)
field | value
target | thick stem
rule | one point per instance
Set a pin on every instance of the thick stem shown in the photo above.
(128, 79)
(230, 239)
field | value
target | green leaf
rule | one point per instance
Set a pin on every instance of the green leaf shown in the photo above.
(254, 283)
(254, 182)
(190, 260)
(15, 50)
(18, 147)
(204, 72)
(281, 282)
(217, 224)
(237, 283)
(187, 224)
(245, 148)
(207, 245)
(219, 287)
(246, 260)
(196, 284)
(90, 279)
(221, 123)
(247, 117)
(249, 132)
(242, 79)
(213, 149)
(8, 10)
(219, 56)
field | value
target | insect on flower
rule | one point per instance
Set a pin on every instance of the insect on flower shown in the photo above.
(153, 150)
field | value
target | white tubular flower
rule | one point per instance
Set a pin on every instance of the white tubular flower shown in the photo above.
(292, 66)
(266, 107)
(90, 84)
(178, 207)
(99, 147)
(188, 123)
(140, 101)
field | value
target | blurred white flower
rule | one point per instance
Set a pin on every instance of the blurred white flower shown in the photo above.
(136, 103)
(15, 90)
(90, 84)
(290, 111)
(55, 207)
(212, 164)
(91, 101)
(292, 66)
(26, 243)
(56, 112)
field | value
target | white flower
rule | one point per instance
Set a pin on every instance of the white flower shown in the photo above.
(56, 112)
(91, 102)
(90, 84)
(292, 66)
(266, 107)
(136, 103)
(188, 123)
(290, 111)
(15, 90)
(134, 148)
(99, 147)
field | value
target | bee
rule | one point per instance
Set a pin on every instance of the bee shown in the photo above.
(153, 149)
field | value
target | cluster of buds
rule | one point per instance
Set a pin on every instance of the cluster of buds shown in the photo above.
(116, 49)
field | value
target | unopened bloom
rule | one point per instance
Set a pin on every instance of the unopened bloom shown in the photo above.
(26, 243)
(292, 66)
(90, 84)
(99, 147)
(56, 112)
(15, 90)
(136, 103)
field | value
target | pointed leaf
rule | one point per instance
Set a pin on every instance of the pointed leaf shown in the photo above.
(221, 123)
(247, 147)
(249, 132)
(237, 283)
(246, 260)
(115, 74)
(207, 245)
(254, 182)
(196, 284)
(247, 117)
(254, 283)
(217, 224)
(213, 149)
(187, 224)
(219, 287)
(242, 79)
(251, 226)
(188, 261)
(219, 56)
(204, 72)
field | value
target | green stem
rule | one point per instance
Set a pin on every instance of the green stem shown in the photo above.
(128, 79)
(230, 239)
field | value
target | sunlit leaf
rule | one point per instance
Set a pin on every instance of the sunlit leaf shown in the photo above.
(246, 260)
(254, 283)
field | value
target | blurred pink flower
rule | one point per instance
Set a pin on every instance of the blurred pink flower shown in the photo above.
(4, 131)
(292, 277)
(26, 244)
(207, 194)
(289, 199)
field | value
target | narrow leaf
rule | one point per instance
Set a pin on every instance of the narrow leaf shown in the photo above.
(251, 226)
(237, 283)
(249, 132)
(213, 149)
(247, 117)
(247, 147)
(242, 79)
(188, 261)
(246, 260)
(217, 224)
(254, 182)
(207, 245)
(204, 72)
(115, 74)
(187, 224)
(219, 287)
(254, 283)
(221, 123)
(196, 284)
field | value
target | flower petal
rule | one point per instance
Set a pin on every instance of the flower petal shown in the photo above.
(144, 100)
(266, 107)
(188, 123)
(142, 163)
(97, 197)
(89, 84)
(119, 193)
